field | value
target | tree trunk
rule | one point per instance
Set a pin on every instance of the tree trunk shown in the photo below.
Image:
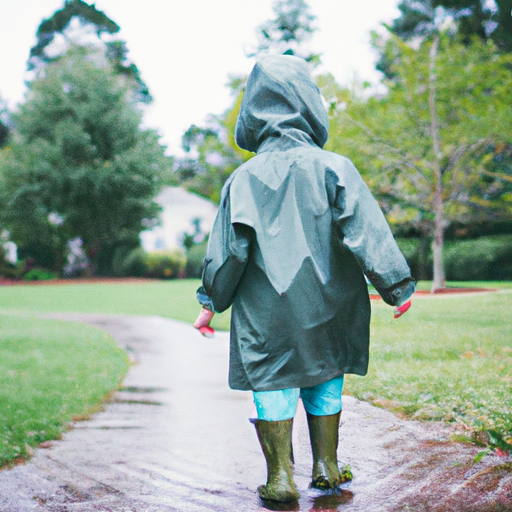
(425, 251)
(439, 280)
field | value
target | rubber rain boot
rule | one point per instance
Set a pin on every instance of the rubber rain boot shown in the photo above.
(275, 438)
(323, 433)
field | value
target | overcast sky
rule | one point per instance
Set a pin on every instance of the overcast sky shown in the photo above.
(186, 49)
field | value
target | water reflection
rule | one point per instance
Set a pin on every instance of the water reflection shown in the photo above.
(327, 502)
(331, 501)
(276, 505)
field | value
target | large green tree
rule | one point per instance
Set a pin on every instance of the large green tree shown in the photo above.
(75, 23)
(79, 164)
(430, 147)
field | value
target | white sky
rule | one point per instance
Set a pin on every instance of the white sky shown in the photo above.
(185, 49)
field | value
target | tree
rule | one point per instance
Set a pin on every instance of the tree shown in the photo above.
(428, 146)
(466, 19)
(289, 31)
(80, 23)
(502, 34)
(79, 165)
(473, 18)
(4, 123)
(211, 151)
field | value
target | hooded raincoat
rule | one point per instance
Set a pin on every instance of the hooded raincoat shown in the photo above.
(296, 230)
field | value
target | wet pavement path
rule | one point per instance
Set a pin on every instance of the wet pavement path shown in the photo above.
(176, 438)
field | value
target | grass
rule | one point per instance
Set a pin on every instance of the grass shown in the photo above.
(426, 285)
(448, 358)
(171, 299)
(51, 372)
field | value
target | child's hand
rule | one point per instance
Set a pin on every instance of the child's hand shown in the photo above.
(203, 323)
(400, 310)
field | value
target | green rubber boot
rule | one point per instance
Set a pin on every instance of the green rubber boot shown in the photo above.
(323, 432)
(276, 442)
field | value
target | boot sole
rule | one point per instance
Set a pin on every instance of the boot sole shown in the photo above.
(286, 497)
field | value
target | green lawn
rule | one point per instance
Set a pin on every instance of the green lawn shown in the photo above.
(50, 373)
(426, 285)
(172, 299)
(448, 358)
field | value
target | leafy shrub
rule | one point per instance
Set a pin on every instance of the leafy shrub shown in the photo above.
(9, 271)
(195, 257)
(133, 264)
(408, 246)
(39, 274)
(482, 259)
(157, 264)
(418, 254)
(486, 258)
(165, 264)
(123, 256)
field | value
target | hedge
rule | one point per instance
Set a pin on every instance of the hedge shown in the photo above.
(486, 258)
(195, 257)
(157, 264)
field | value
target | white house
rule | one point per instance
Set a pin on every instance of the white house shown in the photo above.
(180, 208)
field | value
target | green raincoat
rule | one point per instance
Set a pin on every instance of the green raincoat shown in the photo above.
(295, 233)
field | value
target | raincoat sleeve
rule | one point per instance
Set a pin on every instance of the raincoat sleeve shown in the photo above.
(225, 261)
(364, 230)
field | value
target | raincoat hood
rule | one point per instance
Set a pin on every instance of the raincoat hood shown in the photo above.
(280, 100)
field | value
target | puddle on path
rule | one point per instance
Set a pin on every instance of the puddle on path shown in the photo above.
(139, 402)
(315, 501)
(140, 389)
(195, 451)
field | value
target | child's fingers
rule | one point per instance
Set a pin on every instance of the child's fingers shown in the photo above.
(204, 318)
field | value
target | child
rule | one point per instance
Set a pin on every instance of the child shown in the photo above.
(296, 231)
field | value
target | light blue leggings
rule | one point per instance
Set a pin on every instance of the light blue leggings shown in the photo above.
(321, 400)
